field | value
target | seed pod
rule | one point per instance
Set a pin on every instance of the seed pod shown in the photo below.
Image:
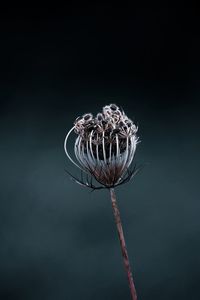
(104, 150)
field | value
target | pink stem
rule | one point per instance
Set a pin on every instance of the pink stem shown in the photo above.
(123, 244)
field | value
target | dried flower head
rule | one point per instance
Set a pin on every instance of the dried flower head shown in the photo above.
(104, 147)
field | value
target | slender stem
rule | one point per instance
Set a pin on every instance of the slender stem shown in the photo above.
(123, 244)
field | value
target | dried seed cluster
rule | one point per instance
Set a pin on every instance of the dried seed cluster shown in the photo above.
(105, 125)
(105, 145)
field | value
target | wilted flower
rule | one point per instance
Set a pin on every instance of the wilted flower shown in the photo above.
(105, 146)
(104, 149)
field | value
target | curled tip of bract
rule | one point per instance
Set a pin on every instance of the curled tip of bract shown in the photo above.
(111, 117)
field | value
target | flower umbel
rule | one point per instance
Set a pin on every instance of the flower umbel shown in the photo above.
(104, 149)
(105, 146)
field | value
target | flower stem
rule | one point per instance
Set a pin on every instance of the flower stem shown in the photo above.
(123, 244)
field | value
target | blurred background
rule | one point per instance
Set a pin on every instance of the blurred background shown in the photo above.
(57, 239)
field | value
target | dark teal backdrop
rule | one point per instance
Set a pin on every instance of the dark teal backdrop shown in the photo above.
(57, 239)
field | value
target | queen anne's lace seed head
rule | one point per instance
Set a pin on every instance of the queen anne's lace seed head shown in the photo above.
(105, 145)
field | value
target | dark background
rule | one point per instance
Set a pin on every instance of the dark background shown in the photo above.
(58, 240)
